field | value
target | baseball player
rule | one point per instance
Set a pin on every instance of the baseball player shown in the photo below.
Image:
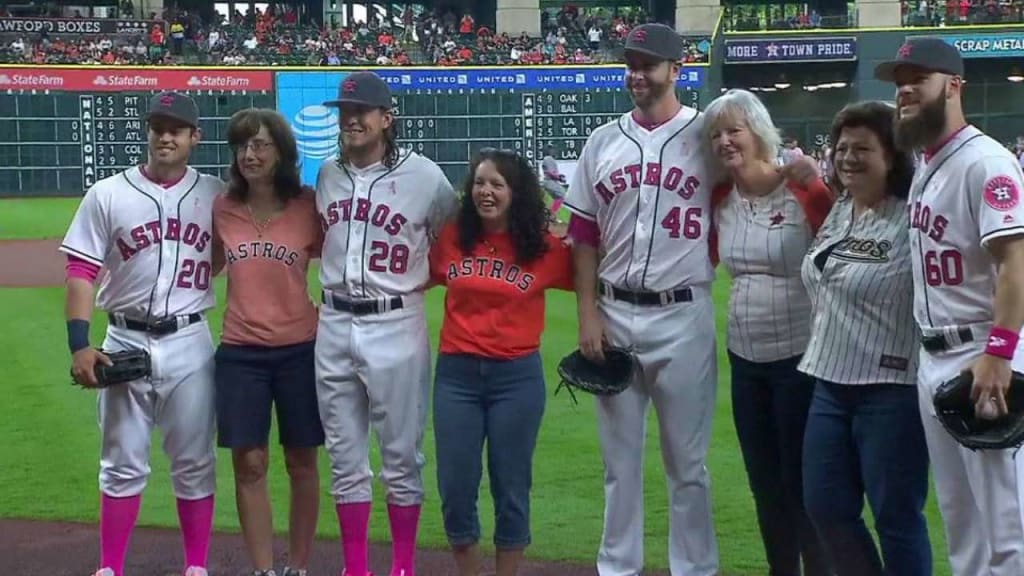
(966, 226)
(155, 246)
(640, 197)
(381, 208)
(553, 182)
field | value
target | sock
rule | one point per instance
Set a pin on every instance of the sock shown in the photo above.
(556, 206)
(196, 519)
(354, 521)
(405, 521)
(117, 520)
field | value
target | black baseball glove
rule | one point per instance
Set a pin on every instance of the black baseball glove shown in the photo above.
(128, 365)
(955, 410)
(605, 379)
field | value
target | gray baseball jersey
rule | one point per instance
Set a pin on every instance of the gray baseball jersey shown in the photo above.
(963, 197)
(379, 223)
(650, 194)
(155, 243)
(858, 276)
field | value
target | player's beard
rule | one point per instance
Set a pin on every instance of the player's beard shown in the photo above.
(655, 90)
(924, 128)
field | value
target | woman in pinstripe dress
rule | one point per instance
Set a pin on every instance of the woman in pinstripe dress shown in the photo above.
(765, 219)
(864, 434)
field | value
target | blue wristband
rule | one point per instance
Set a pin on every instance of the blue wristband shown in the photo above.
(78, 335)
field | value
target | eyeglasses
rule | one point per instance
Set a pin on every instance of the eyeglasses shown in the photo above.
(256, 145)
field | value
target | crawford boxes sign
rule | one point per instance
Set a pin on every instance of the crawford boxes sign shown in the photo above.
(75, 26)
(790, 50)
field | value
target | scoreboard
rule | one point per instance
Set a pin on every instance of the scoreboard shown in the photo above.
(63, 129)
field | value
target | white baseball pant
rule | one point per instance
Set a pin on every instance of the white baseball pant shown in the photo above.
(980, 494)
(178, 399)
(374, 370)
(676, 347)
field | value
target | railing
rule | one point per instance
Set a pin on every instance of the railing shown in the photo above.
(940, 15)
(795, 17)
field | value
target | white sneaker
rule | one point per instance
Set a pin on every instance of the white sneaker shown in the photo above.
(196, 571)
(104, 572)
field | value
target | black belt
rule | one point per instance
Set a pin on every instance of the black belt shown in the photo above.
(647, 298)
(159, 326)
(361, 307)
(939, 342)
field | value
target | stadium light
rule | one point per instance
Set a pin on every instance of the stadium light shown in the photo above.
(811, 88)
(1015, 75)
(782, 83)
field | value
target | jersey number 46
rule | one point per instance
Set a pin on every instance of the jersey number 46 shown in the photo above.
(689, 223)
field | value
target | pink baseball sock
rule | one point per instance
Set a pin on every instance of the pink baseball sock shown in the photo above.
(117, 520)
(405, 521)
(556, 206)
(354, 521)
(196, 519)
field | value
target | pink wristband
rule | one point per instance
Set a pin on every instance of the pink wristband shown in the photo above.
(1002, 343)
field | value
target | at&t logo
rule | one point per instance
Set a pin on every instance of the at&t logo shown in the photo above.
(316, 132)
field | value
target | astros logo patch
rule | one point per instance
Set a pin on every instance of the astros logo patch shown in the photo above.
(166, 100)
(904, 51)
(640, 36)
(1001, 193)
(349, 86)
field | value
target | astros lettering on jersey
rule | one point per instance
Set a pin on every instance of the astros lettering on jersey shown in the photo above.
(641, 232)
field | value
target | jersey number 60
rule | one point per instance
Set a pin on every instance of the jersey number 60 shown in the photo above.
(690, 222)
(944, 268)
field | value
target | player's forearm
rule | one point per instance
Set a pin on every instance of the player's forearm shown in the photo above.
(1008, 308)
(584, 258)
(78, 301)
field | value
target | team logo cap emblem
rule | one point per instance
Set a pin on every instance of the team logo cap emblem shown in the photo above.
(904, 51)
(349, 86)
(640, 36)
(166, 100)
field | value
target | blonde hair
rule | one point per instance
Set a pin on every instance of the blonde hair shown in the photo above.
(747, 107)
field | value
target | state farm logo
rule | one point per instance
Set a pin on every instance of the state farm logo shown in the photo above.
(208, 81)
(31, 81)
(125, 81)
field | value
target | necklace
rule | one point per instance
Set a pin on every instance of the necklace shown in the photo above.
(260, 225)
(490, 247)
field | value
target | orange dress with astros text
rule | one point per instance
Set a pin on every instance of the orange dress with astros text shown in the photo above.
(494, 307)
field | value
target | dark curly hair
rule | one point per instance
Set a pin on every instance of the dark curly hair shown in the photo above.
(245, 124)
(528, 217)
(880, 118)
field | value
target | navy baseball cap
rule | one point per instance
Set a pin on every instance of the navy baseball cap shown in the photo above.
(363, 88)
(657, 40)
(932, 54)
(174, 105)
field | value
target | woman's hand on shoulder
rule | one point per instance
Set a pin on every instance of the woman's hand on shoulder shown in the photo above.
(802, 171)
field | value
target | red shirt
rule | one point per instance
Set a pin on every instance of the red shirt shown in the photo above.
(495, 308)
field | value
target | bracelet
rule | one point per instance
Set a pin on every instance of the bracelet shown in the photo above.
(1002, 343)
(78, 335)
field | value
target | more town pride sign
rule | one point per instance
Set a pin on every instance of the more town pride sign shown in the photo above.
(810, 49)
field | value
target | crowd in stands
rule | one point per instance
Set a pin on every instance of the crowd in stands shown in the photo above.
(961, 12)
(750, 17)
(282, 36)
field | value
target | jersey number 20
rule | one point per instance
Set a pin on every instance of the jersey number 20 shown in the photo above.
(689, 223)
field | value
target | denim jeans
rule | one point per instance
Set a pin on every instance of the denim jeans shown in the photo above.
(501, 402)
(770, 402)
(868, 440)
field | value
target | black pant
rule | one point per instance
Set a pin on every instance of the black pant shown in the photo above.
(770, 403)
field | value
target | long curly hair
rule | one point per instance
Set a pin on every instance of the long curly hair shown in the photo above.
(880, 118)
(528, 217)
(245, 124)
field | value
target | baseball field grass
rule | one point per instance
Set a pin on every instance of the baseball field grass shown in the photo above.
(51, 441)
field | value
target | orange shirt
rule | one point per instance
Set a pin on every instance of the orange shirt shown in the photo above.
(268, 302)
(495, 308)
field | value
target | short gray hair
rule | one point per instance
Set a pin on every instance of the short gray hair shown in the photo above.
(747, 107)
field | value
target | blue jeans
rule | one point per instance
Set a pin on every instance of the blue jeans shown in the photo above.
(502, 402)
(868, 440)
(770, 402)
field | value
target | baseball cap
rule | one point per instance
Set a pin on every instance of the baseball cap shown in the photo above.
(174, 105)
(932, 54)
(657, 40)
(365, 88)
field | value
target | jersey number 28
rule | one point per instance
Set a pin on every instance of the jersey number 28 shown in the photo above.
(689, 222)
(387, 258)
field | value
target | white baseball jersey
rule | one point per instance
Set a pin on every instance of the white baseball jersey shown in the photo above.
(154, 243)
(649, 191)
(858, 276)
(968, 193)
(762, 243)
(379, 224)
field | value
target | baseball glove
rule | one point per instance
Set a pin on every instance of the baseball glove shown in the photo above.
(955, 410)
(128, 365)
(607, 379)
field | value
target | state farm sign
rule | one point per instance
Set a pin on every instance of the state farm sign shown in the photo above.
(121, 79)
